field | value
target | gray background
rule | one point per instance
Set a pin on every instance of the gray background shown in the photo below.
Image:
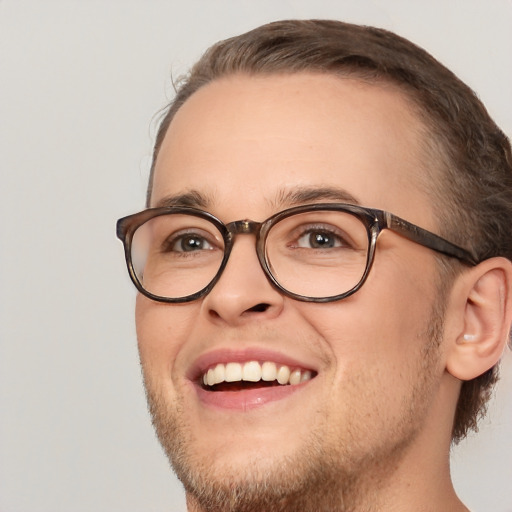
(80, 82)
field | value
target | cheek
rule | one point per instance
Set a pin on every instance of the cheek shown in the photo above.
(162, 329)
(376, 361)
(380, 330)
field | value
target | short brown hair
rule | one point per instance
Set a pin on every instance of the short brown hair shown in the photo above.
(474, 180)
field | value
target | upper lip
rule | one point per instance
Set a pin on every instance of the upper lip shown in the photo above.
(212, 358)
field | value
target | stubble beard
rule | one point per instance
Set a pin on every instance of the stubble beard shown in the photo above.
(323, 475)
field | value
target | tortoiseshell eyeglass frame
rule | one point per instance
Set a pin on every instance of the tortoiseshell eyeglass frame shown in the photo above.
(374, 220)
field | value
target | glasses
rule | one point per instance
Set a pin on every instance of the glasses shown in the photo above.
(313, 253)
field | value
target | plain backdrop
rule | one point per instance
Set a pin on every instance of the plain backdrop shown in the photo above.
(80, 84)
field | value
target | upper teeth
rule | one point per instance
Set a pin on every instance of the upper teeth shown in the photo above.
(253, 371)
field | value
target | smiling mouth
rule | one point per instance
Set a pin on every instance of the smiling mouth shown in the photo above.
(252, 374)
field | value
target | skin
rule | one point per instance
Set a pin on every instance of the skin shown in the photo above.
(377, 417)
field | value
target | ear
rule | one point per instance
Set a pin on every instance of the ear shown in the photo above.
(479, 314)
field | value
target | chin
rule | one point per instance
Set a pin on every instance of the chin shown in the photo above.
(227, 472)
(256, 478)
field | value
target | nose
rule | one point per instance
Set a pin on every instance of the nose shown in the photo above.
(243, 293)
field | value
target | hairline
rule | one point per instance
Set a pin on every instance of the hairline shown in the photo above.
(434, 167)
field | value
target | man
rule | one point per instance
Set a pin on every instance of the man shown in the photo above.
(326, 357)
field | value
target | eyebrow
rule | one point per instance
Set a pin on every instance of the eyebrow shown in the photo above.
(303, 195)
(192, 198)
(285, 198)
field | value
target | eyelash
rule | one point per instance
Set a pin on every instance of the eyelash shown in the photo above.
(171, 241)
(338, 237)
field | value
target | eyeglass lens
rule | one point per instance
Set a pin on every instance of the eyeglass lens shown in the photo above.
(315, 254)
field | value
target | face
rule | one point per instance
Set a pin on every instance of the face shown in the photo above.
(245, 148)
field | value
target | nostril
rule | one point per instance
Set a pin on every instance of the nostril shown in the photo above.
(259, 308)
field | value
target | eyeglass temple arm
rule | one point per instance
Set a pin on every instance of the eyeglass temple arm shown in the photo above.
(427, 239)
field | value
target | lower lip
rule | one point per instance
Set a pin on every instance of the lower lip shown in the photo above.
(247, 399)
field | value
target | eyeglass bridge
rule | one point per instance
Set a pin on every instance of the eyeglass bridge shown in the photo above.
(244, 227)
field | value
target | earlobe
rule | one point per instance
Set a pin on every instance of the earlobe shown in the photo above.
(484, 300)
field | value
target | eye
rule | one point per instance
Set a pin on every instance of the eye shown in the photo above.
(188, 242)
(320, 239)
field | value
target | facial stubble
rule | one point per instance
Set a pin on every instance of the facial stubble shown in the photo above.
(322, 475)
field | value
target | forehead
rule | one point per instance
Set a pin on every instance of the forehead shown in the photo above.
(245, 140)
